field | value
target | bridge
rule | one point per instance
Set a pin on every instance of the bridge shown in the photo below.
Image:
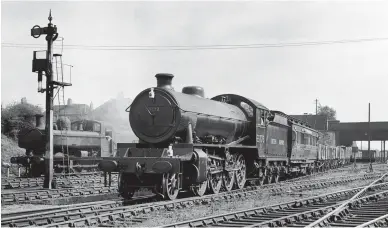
(348, 132)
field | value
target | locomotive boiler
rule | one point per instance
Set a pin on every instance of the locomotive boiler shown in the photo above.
(157, 115)
(190, 143)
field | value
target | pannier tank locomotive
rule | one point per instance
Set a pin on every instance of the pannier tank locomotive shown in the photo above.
(190, 143)
(77, 149)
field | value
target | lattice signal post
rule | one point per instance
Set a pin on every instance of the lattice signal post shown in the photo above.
(44, 66)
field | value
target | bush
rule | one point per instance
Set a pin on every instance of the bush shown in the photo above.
(63, 123)
(9, 148)
(16, 116)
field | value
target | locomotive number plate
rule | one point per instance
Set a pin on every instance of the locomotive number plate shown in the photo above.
(154, 109)
(260, 138)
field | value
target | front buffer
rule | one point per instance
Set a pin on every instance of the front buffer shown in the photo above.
(165, 171)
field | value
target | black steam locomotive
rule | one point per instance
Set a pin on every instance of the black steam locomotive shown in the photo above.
(76, 149)
(190, 143)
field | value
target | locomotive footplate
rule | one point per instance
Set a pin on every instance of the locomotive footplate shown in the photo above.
(149, 165)
(142, 165)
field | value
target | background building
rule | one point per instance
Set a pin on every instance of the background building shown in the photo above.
(72, 111)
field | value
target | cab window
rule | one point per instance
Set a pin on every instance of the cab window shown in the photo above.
(259, 120)
(97, 127)
(248, 109)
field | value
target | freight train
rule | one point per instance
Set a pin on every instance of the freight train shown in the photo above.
(372, 156)
(76, 149)
(190, 143)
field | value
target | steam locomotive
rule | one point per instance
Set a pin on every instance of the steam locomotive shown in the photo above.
(190, 143)
(76, 149)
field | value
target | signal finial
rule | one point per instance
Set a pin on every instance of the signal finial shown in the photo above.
(50, 17)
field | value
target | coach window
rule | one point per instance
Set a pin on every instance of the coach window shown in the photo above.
(300, 139)
(306, 139)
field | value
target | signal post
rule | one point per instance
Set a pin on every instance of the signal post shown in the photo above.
(41, 66)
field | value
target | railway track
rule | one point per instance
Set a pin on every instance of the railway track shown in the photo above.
(303, 212)
(35, 196)
(96, 215)
(7, 179)
(62, 181)
(97, 178)
(30, 196)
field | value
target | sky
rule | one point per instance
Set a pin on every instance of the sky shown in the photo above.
(344, 76)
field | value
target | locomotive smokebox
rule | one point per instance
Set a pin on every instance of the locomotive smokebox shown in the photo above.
(194, 90)
(164, 80)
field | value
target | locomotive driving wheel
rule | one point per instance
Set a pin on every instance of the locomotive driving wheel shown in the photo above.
(275, 175)
(241, 172)
(275, 178)
(260, 181)
(170, 186)
(228, 180)
(262, 174)
(215, 182)
(200, 189)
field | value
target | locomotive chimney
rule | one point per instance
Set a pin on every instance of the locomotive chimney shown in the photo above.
(38, 121)
(164, 80)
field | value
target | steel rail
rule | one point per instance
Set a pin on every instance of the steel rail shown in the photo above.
(242, 217)
(341, 207)
(380, 221)
(312, 214)
(35, 182)
(63, 214)
(38, 195)
(32, 212)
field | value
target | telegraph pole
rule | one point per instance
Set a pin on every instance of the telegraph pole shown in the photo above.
(39, 66)
(370, 156)
(316, 106)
